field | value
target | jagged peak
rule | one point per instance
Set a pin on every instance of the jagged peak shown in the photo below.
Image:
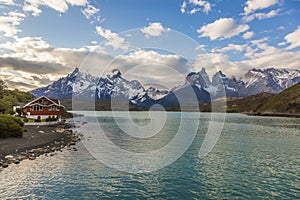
(115, 73)
(203, 71)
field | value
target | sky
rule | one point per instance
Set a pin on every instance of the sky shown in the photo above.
(153, 41)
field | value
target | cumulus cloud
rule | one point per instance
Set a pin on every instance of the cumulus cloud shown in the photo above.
(293, 39)
(261, 16)
(90, 11)
(248, 35)
(154, 29)
(230, 47)
(10, 22)
(61, 6)
(7, 2)
(113, 39)
(194, 6)
(253, 5)
(151, 66)
(18, 64)
(222, 28)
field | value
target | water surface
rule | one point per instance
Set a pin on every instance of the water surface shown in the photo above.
(255, 157)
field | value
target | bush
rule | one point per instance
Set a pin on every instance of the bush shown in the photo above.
(38, 120)
(10, 127)
(51, 119)
(25, 120)
(19, 121)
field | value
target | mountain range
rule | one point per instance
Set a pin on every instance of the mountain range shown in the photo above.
(198, 87)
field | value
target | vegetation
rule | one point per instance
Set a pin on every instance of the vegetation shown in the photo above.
(11, 126)
(248, 104)
(51, 119)
(287, 101)
(10, 98)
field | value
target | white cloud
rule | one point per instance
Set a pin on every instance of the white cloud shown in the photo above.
(195, 6)
(154, 29)
(9, 23)
(293, 39)
(280, 28)
(7, 2)
(57, 5)
(248, 35)
(230, 47)
(113, 39)
(261, 16)
(90, 11)
(222, 28)
(183, 7)
(35, 11)
(150, 66)
(253, 5)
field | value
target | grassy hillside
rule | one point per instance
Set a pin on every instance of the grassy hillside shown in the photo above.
(248, 104)
(287, 101)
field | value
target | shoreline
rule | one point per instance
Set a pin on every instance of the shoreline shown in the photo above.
(37, 141)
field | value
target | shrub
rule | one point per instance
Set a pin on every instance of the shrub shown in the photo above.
(38, 120)
(25, 120)
(19, 121)
(51, 119)
(10, 127)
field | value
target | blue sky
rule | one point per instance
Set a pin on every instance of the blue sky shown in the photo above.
(42, 40)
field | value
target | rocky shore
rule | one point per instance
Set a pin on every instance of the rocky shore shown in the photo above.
(36, 141)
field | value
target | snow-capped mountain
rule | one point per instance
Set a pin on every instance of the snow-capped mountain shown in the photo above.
(256, 81)
(197, 87)
(270, 80)
(155, 93)
(83, 85)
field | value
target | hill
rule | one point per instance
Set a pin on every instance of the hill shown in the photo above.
(287, 101)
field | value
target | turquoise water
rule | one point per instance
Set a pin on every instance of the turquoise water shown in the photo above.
(254, 157)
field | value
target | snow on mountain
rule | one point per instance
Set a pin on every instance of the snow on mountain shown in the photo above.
(270, 80)
(155, 93)
(83, 85)
(112, 85)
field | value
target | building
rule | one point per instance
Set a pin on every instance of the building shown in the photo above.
(42, 108)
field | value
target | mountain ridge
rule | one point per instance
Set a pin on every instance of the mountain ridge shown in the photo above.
(113, 86)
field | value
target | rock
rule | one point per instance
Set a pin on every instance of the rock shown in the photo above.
(31, 157)
(11, 160)
(52, 154)
(17, 162)
(72, 143)
(9, 157)
(60, 130)
(41, 131)
(4, 165)
(32, 151)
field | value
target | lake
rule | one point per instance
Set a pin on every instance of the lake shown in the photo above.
(132, 157)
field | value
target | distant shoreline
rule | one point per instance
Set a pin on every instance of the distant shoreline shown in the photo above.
(292, 115)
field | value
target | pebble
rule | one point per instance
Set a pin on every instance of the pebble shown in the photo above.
(31, 157)
(17, 162)
(4, 165)
(41, 131)
(8, 157)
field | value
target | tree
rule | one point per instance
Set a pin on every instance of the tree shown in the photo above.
(3, 87)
